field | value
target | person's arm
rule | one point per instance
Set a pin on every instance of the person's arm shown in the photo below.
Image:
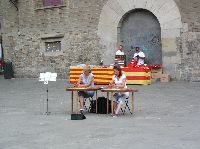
(79, 82)
(141, 55)
(122, 85)
(135, 56)
(89, 82)
(112, 83)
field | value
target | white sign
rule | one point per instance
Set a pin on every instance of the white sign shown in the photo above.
(47, 76)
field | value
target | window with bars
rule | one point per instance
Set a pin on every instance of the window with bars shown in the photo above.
(53, 46)
(43, 4)
(47, 3)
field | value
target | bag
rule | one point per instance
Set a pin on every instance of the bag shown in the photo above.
(77, 117)
(101, 106)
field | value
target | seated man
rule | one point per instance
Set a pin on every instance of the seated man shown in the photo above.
(139, 56)
(120, 58)
(120, 50)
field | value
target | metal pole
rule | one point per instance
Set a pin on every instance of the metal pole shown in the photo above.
(47, 102)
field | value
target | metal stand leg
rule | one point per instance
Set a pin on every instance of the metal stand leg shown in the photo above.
(112, 103)
(96, 103)
(47, 102)
(132, 102)
(107, 102)
(72, 97)
(77, 102)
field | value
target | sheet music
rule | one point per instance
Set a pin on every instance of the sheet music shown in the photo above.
(47, 76)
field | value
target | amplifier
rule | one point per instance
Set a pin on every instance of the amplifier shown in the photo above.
(77, 117)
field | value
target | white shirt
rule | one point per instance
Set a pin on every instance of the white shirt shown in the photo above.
(119, 52)
(139, 61)
(117, 82)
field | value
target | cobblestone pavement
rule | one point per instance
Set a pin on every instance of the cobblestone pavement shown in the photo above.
(166, 117)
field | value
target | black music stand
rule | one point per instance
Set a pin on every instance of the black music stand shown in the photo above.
(46, 77)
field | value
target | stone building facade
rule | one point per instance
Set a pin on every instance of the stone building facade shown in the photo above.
(88, 31)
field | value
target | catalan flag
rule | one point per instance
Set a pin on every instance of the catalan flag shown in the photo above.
(138, 75)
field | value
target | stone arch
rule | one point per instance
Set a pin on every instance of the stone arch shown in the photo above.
(167, 13)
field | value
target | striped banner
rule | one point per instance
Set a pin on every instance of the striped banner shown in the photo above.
(138, 75)
(103, 76)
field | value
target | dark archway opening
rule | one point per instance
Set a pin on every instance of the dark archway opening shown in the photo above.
(141, 28)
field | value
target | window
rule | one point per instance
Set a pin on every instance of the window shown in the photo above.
(49, 4)
(52, 2)
(53, 46)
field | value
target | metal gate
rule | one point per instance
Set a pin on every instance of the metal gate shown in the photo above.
(141, 28)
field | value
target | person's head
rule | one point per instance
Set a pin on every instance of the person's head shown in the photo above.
(86, 70)
(117, 70)
(137, 49)
(121, 47)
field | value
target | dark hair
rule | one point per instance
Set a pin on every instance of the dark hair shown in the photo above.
(117, 67)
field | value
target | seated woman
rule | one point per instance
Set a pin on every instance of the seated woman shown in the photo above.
(86, 79)
(118, 81)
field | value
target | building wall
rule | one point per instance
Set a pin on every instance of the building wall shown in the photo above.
(169, 18)
(189, 43)
(76, 25)
(31, 25)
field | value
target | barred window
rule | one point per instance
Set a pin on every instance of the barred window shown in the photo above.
(52, 2)
(53, 46)
(43, 4)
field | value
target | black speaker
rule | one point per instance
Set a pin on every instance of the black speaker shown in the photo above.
(8, 70)
(77, 117)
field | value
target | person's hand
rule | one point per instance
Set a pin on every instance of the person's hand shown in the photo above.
(75, 84)
(110, 85)
(116, 86)
(80, 85)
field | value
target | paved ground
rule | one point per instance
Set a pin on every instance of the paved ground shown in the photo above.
(166, 117)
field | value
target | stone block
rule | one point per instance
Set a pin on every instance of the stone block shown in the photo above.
(140, 3)
(171, 33)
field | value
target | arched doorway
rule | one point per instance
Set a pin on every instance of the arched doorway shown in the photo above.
(168, 14)
(141, 28)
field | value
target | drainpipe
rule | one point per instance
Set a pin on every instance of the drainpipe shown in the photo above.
(1, 48)
(14, 2)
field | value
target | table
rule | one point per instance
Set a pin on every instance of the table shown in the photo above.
(72, 89)
(114, 90)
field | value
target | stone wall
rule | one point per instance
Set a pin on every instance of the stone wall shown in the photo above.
(189, 42)
(168, 15)
(32, 25)
(76, 23)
